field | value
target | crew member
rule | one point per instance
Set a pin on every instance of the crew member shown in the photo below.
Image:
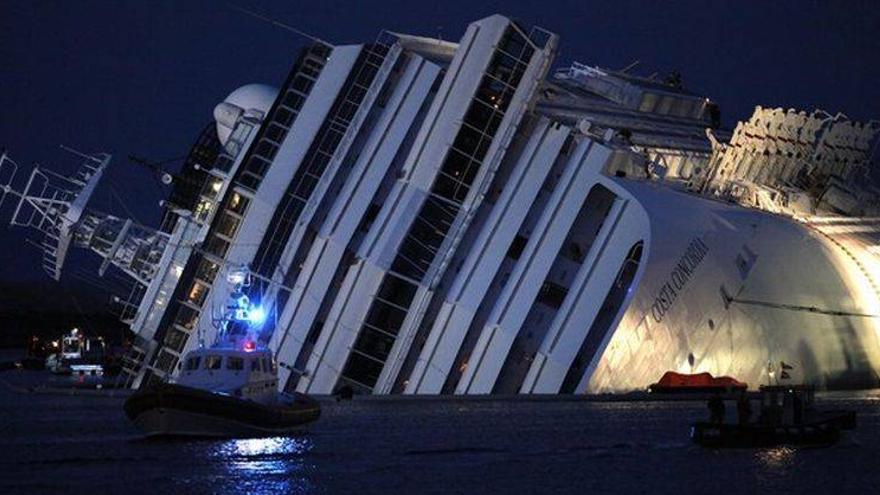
(744, 408)
(798, 408)
(716, 408)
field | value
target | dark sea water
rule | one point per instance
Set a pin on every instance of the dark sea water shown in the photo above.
(84, 444)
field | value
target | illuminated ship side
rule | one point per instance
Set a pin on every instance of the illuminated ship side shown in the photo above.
(431, 217)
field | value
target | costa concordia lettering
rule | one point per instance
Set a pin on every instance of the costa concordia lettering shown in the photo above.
(680, 275)
(418, 216)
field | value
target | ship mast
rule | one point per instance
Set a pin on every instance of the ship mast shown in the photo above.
(55, 207)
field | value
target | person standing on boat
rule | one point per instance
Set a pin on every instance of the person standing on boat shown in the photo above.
(744, 408)
(716, 408)
(797, 408)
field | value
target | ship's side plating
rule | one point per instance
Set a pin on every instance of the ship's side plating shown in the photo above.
(758, 289)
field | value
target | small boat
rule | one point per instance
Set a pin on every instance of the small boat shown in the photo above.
(75, 349)
(87, 375)
(787, 417)
(229, 389)
(222, 392)
(672, 382)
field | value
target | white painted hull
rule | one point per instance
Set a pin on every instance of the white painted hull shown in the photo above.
(779, 262)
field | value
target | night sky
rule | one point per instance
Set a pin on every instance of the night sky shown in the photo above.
(142, 77)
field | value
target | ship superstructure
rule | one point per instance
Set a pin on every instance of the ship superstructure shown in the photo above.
(430, 217)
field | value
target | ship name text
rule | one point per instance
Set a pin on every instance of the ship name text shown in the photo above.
(678, 278)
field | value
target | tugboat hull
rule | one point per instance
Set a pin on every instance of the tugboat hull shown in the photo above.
(175, 410)
(160, 422)
(820, 434)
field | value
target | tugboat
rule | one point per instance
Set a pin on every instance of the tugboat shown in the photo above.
(787, 417)
(221, 392)
(227, 390)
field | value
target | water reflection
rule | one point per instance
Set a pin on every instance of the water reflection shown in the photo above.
(266, 446)
(776, 458)
(267, 465)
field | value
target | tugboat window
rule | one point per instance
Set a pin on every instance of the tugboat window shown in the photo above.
(213, 362)
(235, 363)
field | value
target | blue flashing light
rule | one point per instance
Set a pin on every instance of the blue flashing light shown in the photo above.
(256, 316)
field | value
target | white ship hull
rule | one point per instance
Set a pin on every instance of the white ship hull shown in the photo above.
(817, 305)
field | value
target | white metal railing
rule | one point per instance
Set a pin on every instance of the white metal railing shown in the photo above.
(51, 203)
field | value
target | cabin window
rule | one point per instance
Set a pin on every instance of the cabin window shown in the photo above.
(187, 317)
(166, 361)
(213, 362)
(238, 204)
(369, 217)
(197, 294)
(217, 246)
(176, 339)
(665, 105)
(207, 270)
(193, 363)
(228, 225)
(255, 365)
(649, 101)
(517, 246)
(683, 108)
(552, 294)
(235, 363)
(213, 189)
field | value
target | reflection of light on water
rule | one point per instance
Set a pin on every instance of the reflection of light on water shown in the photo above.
(267, 465)
(777, 457)
(267, 446)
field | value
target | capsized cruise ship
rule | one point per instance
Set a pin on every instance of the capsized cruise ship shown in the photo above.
(419, 216)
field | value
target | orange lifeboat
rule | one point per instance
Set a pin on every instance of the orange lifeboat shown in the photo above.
(673, 382)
